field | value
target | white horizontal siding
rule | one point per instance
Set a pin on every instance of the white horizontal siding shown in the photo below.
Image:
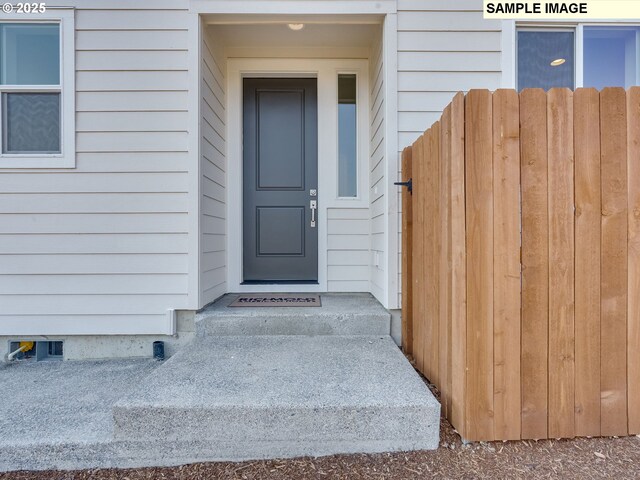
(137, 101)
(80, 223)
(442, 41)
(131, 81)
(67, 264)
(129, 19)
(77, 181)
(93, 243)
(89, 203)
(443, 47)
(102, 248)
(348, 250)
(108, 60)
(137, 40)
(442, 19)
(155, 284)
(127, 121)
(92, 324)
(213, 261)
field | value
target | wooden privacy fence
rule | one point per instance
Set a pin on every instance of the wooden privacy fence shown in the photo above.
(521, 263)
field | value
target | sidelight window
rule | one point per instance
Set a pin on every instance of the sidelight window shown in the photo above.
(347, 136)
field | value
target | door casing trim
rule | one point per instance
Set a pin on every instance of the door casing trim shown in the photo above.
(326, 71)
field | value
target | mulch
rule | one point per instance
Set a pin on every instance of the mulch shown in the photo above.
(581, 458)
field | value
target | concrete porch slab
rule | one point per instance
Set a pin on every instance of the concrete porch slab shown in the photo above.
(58, 414)
(220, 398)
(340, 314)
(284, 396)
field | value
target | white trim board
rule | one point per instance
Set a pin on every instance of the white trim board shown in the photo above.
(74, 325)
(195, 198)
(390, 68)
(302, 7)
(326, 71)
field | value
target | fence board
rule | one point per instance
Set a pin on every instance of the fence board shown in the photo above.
(633, 314)
(535, 262)
(586, 107)
(444, 328)
(479, 200)
(538, 340)
(613, 327)
(434, 226)
(561, 268)
(458, 267)
(407, 264)
(418, 251)
(506, 265)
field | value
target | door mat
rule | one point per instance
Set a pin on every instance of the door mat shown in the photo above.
(276, 300)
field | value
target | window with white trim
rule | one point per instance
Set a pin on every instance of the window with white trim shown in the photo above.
(347, 136)
(36, 91)
(596, 56)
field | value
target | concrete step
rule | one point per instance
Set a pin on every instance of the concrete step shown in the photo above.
(245, 397)
(340, 314)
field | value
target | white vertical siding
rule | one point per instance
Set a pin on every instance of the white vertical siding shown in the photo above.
(213, 166)
(348, 249)
(377, 173)
(102, 248)
(443, 47)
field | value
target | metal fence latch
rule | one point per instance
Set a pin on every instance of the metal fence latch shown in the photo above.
(408, 184)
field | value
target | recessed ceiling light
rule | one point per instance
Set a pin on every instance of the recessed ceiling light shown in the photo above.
(557, 62)
(296, 26)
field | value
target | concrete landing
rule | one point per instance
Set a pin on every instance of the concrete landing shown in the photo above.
(59, 414)
(340, 314)
(283, 396)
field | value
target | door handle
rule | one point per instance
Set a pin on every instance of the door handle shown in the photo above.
(314, 206)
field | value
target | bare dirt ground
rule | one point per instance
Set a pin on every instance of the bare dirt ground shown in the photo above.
(580, 458)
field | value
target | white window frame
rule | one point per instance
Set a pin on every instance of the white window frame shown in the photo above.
(510, 37)
(362, 153)
(67, 156)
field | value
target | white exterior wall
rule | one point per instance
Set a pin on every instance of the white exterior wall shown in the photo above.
(213, 167)
(102, 248)
(443, 47)
(348, 249)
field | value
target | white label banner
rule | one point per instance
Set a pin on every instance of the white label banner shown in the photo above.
(587, 9)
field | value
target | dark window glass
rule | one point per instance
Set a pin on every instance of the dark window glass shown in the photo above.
(31, 122)
(546, 59)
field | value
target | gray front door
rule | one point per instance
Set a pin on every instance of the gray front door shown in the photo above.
(280, 156)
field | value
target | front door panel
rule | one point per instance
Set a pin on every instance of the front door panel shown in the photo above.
(280, 167)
